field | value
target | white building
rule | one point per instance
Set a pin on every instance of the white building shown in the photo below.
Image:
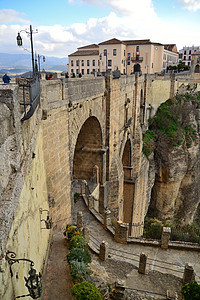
(185, 54)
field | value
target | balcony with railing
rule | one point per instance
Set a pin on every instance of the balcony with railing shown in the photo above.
(137, 59)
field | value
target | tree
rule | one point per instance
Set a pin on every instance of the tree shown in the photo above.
(191, 291)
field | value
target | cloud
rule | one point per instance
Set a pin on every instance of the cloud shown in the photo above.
(130, 23)
(192, 5)
(11, 15)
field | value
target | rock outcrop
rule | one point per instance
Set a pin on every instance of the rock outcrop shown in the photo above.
(175, 194)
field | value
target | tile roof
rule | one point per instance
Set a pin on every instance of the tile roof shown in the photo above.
(85, 53)
(141, 42)
(171, 47)
(89, 46)
(112, 41)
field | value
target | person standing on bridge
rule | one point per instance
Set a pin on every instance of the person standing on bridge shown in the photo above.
(6, 78)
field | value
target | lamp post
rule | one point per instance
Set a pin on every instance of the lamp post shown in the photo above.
(19, 43)
(43, 59)
(33, 282)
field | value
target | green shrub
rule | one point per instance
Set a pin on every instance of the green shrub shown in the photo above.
(79, 254)
(153, 229)
(86, 291)
(77, 241)
(191, 291)
(70, 231)
(171, 125)
(68, 228)
(79, 271)
(148, 142)
(186, 233)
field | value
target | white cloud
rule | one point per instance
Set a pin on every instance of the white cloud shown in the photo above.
(132, 23)
(11, 15)
(192, 5)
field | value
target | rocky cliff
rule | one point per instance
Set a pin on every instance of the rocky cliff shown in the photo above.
(173, 136)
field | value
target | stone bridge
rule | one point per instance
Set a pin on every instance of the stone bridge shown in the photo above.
(83, 128)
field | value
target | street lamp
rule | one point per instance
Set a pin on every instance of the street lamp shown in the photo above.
(33, 282)
(19, 43)
(43, 59)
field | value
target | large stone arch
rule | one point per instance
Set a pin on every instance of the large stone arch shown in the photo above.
(127, 135)
(128, 184)
(88, 150)
(79, 117)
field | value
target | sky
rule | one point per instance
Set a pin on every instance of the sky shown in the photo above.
(64, 25)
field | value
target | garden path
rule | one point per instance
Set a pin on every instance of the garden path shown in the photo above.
(57, 282)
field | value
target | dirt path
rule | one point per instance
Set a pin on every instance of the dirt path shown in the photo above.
(57, 283)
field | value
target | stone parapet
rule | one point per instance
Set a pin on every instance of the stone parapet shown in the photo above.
(142, 264)
(165, 237)
(189, 274)
(103, 251)
(121, 232)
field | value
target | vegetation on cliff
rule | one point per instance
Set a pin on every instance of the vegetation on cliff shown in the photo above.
(173, 138)
(173, 124)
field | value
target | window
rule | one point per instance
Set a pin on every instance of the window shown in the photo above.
(114, 52)
(93, 70)
(82, 63)
(72, 63)
(88, 62)
(190, 52)
(185, 52)
(152, 65)
(189, 57)
(105, 52)
(72, 71)
(184, 58)
(88, 71)
(93, 62)
(137, 48)
(138, 57)
(82, 71)
(77, 63)
(110, 63)
(124, 52)
(77, 71)
(129, 59)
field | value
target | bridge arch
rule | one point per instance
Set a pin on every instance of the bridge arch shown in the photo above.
(128, 184)
(88, 150)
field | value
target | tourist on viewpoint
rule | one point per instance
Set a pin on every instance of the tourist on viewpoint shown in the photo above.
(6, 78)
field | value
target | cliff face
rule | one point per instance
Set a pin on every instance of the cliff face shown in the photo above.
(176, 190)
(175, 194)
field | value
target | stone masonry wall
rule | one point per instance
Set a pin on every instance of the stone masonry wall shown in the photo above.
(23, 192)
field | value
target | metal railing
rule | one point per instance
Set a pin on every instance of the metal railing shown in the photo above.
(31, 95)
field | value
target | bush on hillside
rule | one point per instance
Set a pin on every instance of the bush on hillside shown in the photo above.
(191, 291)
(86, 291)
(79, 254)
(79, 271)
